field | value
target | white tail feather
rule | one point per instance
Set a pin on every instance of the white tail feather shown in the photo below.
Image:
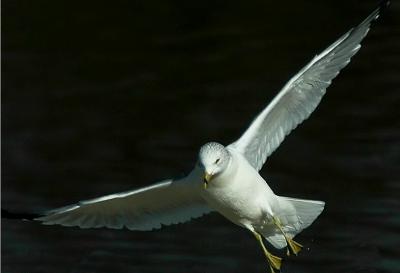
(296, 215)
(306, 211)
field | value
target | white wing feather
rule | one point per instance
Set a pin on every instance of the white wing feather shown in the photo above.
(299, 97)
(165, 203)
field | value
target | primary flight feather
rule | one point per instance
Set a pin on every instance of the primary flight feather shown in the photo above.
(226, 179)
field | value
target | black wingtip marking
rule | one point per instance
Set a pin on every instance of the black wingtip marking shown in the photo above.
(376, 14)
(5, 214)
(384, 4)
(382, 7)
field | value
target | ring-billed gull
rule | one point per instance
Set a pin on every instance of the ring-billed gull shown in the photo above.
(226, 179)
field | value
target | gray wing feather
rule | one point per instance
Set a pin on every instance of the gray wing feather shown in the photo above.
(299, 97)
(168, 202)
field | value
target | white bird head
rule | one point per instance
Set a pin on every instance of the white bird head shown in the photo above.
(213, 158)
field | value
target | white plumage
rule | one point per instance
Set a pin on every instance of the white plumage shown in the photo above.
(232, 184)
(165, 203)
(299, 97)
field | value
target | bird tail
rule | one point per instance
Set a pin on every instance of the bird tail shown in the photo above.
(296, 215)
(305, 210)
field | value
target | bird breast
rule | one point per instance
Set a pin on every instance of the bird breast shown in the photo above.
(240, 194)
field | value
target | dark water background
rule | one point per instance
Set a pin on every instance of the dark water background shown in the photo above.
(103, 97)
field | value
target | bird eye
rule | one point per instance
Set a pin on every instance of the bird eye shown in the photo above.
(216, 161)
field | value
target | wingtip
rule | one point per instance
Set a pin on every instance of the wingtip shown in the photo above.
(24, 216)
(381, 8)
(384, 4)
(377, 13)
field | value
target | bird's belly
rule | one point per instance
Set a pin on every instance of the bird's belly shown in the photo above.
(235, 206)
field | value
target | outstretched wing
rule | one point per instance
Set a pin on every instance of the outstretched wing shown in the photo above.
(299, 97)
(168, 202)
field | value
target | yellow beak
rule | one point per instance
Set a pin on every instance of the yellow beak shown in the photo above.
(207, 178)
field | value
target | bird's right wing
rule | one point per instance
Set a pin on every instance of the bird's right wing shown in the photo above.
(299, 97)
(165, 203)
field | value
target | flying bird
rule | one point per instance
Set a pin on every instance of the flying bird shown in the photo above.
(226, 179)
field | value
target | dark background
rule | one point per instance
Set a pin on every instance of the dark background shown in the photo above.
(104, 97)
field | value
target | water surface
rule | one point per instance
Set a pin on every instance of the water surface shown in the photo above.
(104, 98)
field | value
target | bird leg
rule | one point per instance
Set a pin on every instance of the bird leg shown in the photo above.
(293, 246)
(273, 261)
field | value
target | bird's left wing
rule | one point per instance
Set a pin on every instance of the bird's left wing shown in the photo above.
(299, 97)
(165, 203)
